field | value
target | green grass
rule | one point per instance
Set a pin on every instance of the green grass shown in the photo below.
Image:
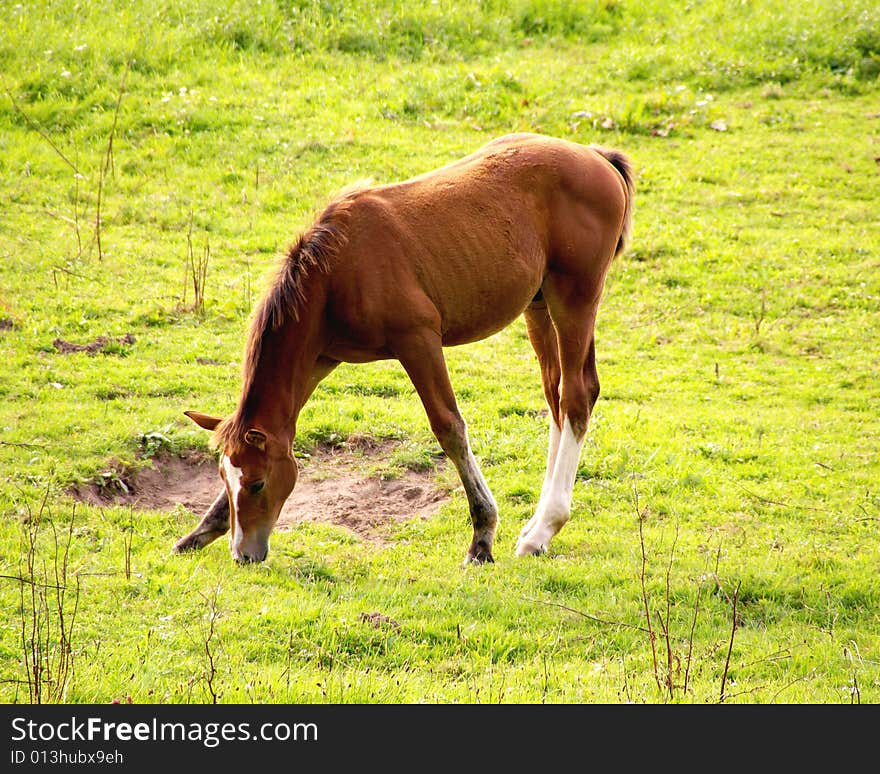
(737, 348)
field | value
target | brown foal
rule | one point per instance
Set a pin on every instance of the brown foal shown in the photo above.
(527, 225)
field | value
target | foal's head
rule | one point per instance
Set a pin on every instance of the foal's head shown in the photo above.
(259, 473)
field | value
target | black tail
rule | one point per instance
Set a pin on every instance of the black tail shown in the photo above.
(624, 166)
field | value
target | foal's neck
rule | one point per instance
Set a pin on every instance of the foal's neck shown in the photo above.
(280, 381)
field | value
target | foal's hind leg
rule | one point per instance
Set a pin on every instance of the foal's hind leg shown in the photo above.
(542, 334)
(574, 324)
(421, 354)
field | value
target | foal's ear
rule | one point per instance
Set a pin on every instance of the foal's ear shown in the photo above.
(204, 420)
(255, 438)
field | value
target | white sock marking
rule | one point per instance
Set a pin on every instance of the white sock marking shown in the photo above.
(565, 470)
(552, 451)
(554, 506)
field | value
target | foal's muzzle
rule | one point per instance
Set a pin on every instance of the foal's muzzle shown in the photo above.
(250, 557)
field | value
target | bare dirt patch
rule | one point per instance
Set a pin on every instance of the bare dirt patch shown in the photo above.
(333, 487)
(101, 344)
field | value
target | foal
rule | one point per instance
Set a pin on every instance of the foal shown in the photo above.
(527, 225)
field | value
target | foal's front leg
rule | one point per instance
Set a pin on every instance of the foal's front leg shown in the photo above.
(484, 511)
(421, 354)
(214, 524)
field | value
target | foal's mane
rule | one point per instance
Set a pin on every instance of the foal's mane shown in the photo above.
(315, 249)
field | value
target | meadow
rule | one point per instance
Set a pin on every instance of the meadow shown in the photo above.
(157, 158)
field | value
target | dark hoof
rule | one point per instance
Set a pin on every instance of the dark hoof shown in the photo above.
(185, 546)
(480, 552)
(194, 542)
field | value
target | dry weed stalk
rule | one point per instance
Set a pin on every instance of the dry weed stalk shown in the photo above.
(108, 163)
(196, 270)
(128, 534)
(48, 608)
(652, 637)
(210, 673)
(733, 628)
(666, 683)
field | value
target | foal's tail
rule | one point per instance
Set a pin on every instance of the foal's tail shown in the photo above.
(623, 165)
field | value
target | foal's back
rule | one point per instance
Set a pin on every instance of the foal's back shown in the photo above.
(468, 246)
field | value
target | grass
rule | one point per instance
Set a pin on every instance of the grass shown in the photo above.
(737, 431)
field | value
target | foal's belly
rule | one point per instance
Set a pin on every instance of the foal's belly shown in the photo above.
(487, 314)
(484, 302)
(467, 311)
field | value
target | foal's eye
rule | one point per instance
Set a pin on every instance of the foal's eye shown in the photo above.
(256, 487)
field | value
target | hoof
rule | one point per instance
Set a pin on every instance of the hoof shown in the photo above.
(536, 540)
(480, 552)
(478, 560)
(194, 542)
(527, 548)
(481, 558)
